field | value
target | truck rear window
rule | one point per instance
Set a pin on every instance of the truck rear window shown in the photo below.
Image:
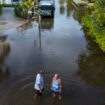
(46, 7)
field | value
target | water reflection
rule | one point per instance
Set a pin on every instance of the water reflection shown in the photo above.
(65, 6)
(47, 23)
(4, 51)
(62, 9)
(92, 66)
(25, 26)
(69, 7)
(4, 48)
(4, 72)
(61, 2)
(78, 14)
(61, 41)
(44, 24)
(3, 38)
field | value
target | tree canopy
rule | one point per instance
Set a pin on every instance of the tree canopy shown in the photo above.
(95, 23)
(28, 4)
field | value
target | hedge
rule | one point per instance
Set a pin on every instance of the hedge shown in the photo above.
(19, 12)
(0, 9)
(9, 5)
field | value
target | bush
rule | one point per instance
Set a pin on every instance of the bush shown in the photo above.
(6, 48)
(95, 23)
(0, 8)
(9, 5)
(19, 12)
(91, 1)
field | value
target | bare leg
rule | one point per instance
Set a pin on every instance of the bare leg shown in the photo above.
(35, 95)
(54, 95)
(60, 97)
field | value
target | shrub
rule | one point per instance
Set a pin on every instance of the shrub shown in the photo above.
(9, 5)
(0, 8)
(19, 12)
(95, 23)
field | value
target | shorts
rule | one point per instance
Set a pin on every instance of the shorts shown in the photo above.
(57, 93)
(38, 92)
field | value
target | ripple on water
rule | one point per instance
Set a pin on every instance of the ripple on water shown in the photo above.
(3, 23)
(21, 92)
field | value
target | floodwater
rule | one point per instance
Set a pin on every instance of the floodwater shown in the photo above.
(8, 21)
(56, 45)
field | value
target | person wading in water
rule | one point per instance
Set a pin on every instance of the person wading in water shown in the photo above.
(38, 86)
(56, 86)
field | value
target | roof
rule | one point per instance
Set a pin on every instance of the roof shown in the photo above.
(46, 3)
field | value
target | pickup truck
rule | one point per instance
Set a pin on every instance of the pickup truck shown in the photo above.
(46, 7)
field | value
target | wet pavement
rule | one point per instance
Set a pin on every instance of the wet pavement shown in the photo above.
(8, 21)
(58, 45)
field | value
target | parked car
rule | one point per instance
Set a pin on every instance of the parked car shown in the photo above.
(46, 8)
(52, 1)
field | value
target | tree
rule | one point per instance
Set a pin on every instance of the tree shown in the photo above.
(0, 8)
(28, 5)
(95, 22)
(91, 65)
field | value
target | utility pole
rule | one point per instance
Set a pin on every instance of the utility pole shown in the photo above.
(39, 27)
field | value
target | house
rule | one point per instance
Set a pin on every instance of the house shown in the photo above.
(9, 1)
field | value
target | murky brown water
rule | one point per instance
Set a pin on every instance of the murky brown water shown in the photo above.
(58, 47)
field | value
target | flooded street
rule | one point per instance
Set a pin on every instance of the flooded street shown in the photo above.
(58, 45)
(8, 20)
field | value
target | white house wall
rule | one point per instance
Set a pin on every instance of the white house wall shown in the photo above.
(8, 1)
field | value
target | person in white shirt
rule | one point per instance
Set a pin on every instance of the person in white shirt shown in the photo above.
(38, 86)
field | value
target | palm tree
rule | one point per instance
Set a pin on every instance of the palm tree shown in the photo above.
(27, 5)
